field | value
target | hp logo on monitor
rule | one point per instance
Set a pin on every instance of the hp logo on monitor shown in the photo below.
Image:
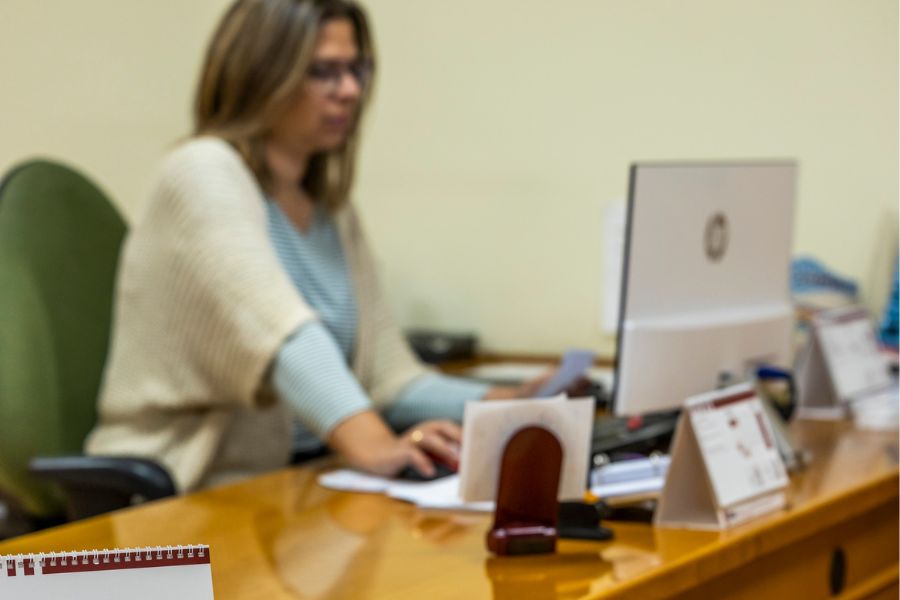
(716, 237)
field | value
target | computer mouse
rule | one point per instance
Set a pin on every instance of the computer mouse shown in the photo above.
(410, 473)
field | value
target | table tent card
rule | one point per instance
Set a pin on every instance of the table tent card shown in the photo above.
(171, 572)
(725, 467)
(841, 362)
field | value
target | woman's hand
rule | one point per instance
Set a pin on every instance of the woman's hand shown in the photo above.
(367, 444)
(431, 441)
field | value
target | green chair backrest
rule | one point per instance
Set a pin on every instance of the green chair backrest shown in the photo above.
(59, 248)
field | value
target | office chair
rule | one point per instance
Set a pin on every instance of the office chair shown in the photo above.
(59, 248)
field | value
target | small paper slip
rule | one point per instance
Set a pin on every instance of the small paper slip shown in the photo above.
(171, 572)
(574, 364)
(440, 494)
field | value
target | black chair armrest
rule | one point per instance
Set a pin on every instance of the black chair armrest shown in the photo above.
(93, 485)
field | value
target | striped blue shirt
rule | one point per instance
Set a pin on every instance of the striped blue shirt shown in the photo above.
(311, 370)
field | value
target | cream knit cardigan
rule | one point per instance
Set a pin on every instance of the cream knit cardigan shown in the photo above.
(202, 307)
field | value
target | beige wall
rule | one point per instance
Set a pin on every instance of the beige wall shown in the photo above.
(502, 128)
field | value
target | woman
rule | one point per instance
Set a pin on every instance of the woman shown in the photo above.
(247, 298)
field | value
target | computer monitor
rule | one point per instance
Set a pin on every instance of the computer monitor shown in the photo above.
(705, 285)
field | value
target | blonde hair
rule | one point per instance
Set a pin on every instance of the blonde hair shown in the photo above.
(257, 60)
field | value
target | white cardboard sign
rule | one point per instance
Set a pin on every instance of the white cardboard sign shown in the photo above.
(842, 362)
(488, 426)
(726, 468)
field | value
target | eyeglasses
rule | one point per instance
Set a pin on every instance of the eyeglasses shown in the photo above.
(327, 75)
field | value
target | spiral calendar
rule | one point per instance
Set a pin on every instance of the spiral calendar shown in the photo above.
(153, 573)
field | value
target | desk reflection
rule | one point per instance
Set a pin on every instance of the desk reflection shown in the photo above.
(333, 547)
(546, 577)
(321, 552)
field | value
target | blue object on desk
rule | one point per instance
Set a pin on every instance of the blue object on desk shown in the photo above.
(889, 323)
(785, 405)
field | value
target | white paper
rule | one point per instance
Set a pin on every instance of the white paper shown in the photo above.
(574, 365)
(181, 582)
(737, 444)
(488, 426)
(635, 477)
(618, 489)
(348, 480)
(631, 470)
(439, 494)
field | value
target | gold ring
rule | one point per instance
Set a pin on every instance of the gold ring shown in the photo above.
(416, 436)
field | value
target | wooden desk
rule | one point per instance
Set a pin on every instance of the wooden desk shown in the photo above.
(281, 536)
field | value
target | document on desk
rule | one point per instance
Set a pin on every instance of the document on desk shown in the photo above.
(440, 494)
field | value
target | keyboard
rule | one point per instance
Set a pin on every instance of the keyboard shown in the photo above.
(613, 436)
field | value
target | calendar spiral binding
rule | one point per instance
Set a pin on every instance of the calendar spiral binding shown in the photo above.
(41, 563)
